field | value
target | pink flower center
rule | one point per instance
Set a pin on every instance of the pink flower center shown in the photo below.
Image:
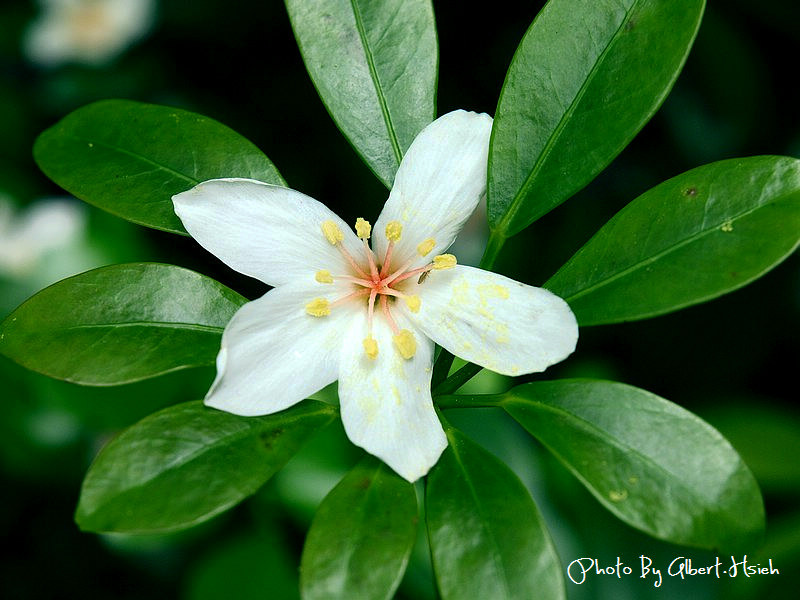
(378, 281)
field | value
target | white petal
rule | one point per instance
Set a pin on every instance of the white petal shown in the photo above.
(274, 354)
(386, 403)
(265, 231)
(438, 185)
(494, 321)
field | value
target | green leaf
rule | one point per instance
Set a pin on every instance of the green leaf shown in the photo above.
(692, 238)
(187, 463)
(585, 79)
(130, 158)
(361, 537)
(374, 65)
(120, 324)
(487, 538)
(651, 463)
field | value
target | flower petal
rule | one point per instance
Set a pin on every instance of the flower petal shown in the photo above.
(438, 185)
(494, 321)
(386, 403)
(274, 354)
(265, 231)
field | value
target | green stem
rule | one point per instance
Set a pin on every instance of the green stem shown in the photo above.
(470, 401)
(442, 368)
(457, 379)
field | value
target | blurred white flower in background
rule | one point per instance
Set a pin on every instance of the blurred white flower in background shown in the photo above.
(27, 238)
(86, 31)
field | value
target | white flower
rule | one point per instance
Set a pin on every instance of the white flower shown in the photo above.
(87, 31)
(370, 317)
(27, 238)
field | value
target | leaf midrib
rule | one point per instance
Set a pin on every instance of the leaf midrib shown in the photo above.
(362, 521)
(154, 324)
(373, 72)
(591, 428)
(202, 449)
(662, 253)
(497, 557)
(134, 155)
(516, 202)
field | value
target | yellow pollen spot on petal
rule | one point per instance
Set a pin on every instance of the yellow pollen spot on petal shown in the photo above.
(323, 276)
(424, 248)
(444, 261)
(370, 347)
(394, 229)
(332, 232)
(413, 303)
(318, 307)
(405, 343)
(363, 228)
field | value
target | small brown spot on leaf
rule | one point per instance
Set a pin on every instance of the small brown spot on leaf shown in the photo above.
(692, 191)
(268, 437)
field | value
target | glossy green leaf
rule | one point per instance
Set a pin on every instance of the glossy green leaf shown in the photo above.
(120, 324)
(187, 463)
(374, 65)
(487, 538)
(692, 238)
(130, 158)
(585, 79)
(361, 536)
(653, 464)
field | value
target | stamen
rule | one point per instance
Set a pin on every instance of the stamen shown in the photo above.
(413, 302)
(424, 248)
(348, 297)
(394, 229)
(363, 228)
(405, 343)
(397, 278)
(385, 309)
(356, 280)
(444, 261)
(387, 260)
(352, 261)
(332, 232)
(318, 307)
(323, 276)
(371, 309)
(390, 280)
(373, 268)
(370, 347)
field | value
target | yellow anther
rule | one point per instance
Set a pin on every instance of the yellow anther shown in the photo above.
(394, 230)
(332, 232)
(405, 343)
(363, 228)
(370, 347)
(323, 276)
(413, 303)
(424, 248)
(318, 307)
(444, 261)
